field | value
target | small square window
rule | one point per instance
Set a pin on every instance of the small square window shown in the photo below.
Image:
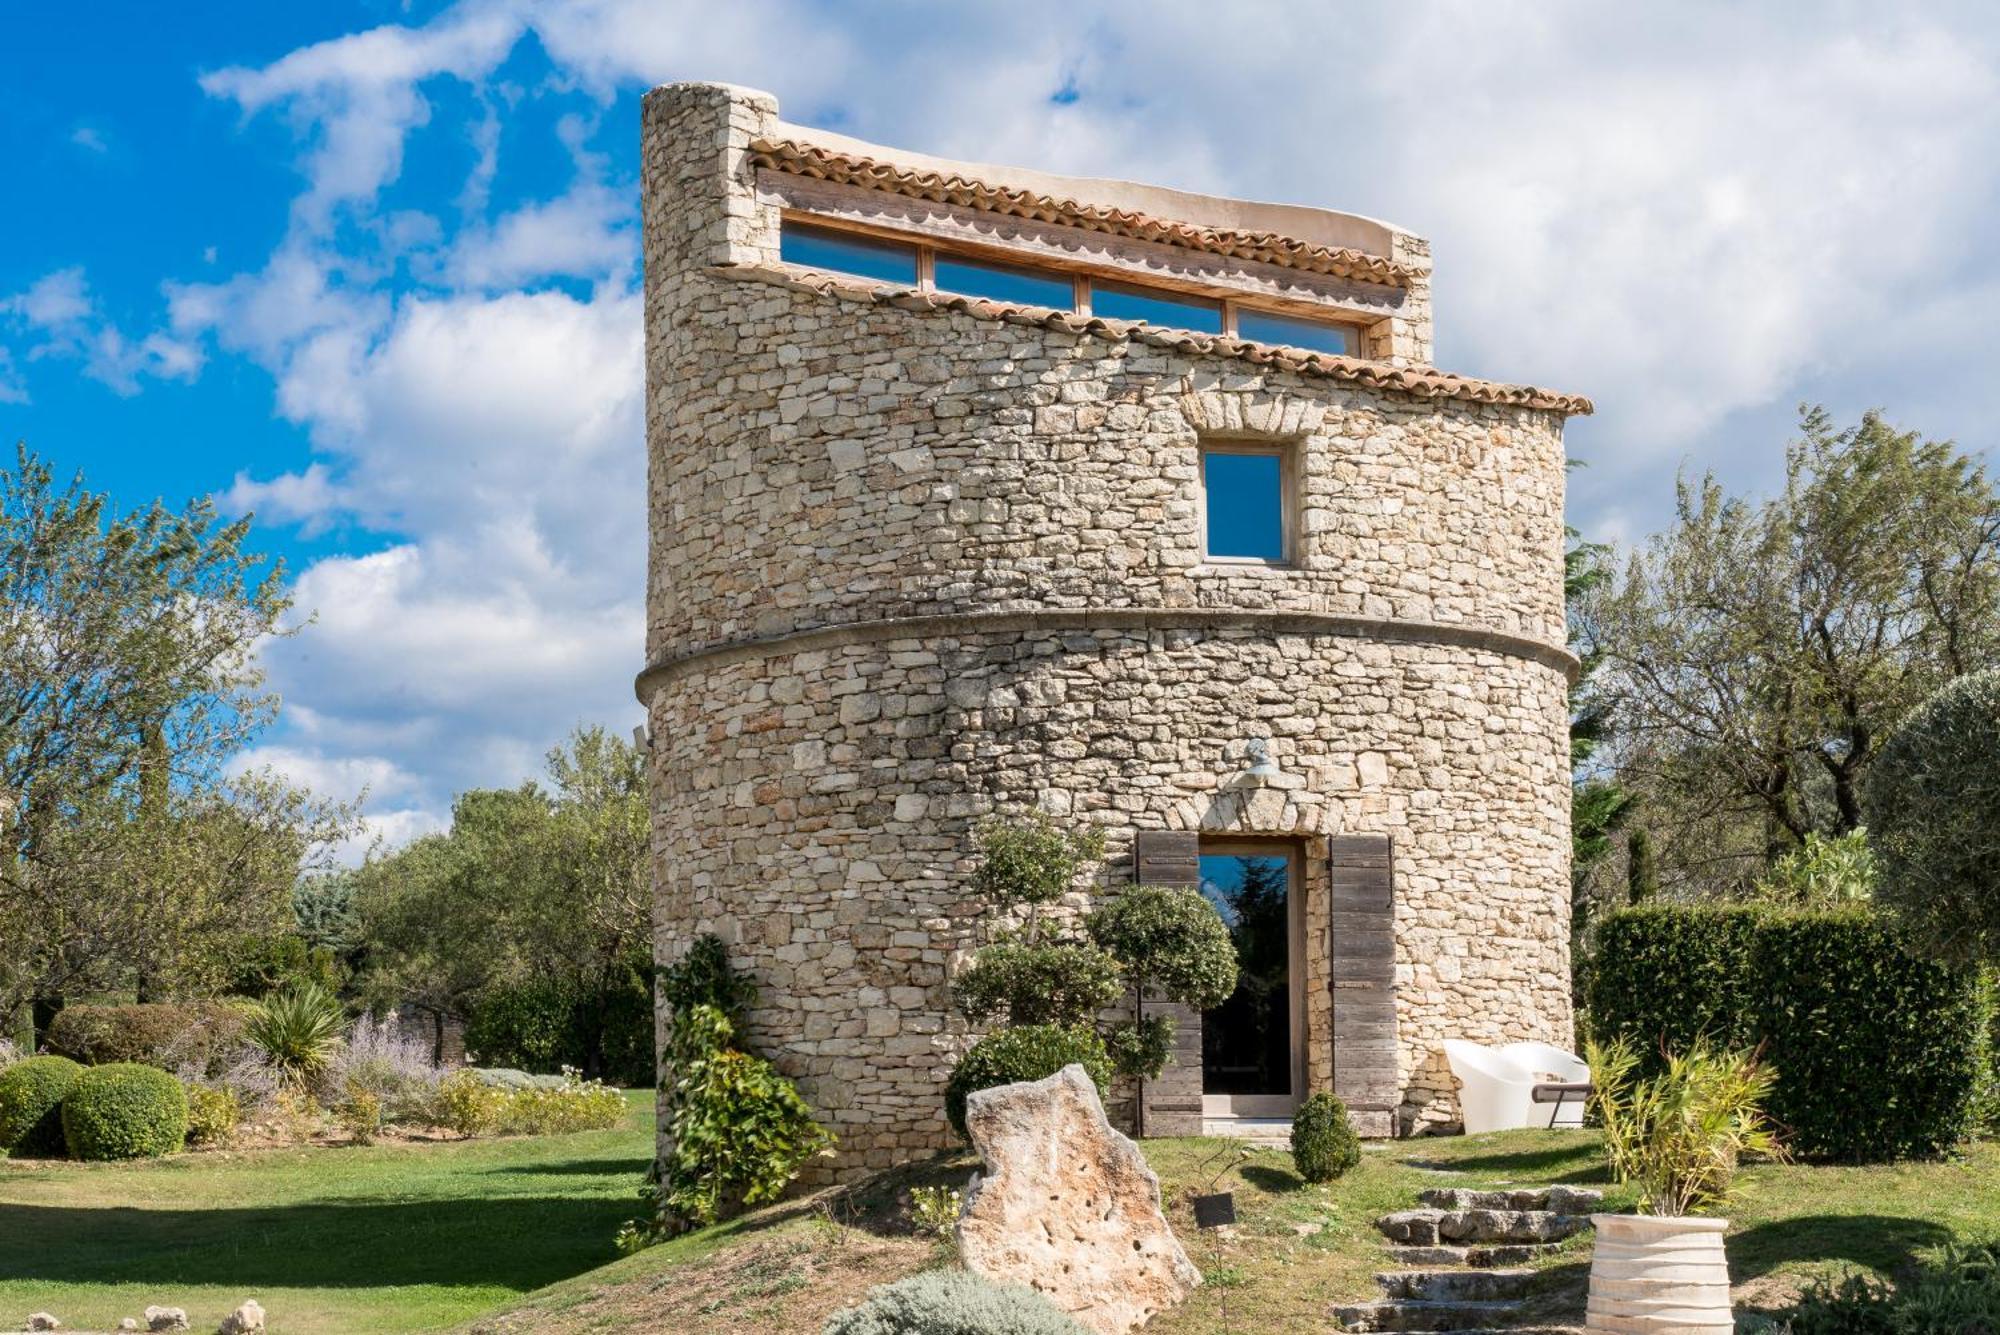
(1247, 503)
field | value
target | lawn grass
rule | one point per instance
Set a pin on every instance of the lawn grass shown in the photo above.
(506, 1236)
(387, 1238)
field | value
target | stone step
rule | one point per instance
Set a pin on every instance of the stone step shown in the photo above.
(1430, 1226)
(1556, 1200)
(1455, 1286)
(1504, 1254)
(1421, 1316)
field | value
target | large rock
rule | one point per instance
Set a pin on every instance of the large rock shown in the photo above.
(247, 1319)
(1067, 1206)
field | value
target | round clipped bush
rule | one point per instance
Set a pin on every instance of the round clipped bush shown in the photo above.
(31, 1095)
(1031, 1052)
(1932, 804)
(952, 1302)
(124, 1111)
(1324, 1145)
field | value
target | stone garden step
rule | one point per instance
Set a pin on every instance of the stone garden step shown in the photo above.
(1455, 1286)
(1504, 1254)
(1430, 1226)
(1556, 1200)
(1422, 1316)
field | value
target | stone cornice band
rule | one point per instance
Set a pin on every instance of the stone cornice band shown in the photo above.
(1090, 619)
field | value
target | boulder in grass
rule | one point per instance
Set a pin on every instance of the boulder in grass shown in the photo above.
(166, 1318)
(247, 1319)
(1068, 1206)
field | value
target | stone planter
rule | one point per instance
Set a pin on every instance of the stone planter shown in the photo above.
(1659, 1275)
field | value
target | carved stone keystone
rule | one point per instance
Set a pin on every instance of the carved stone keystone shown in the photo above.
(1068, 1206)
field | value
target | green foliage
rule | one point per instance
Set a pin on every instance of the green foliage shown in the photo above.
(466, 1104)
(574, 1105)
(1877, 1052)
(703, 977)
(1760, 652)
(1324, 1145)
(213, 1113)
(164, 1034)
(549, 1023)
(739, 1131)
(951, 1302)
(359, 1113)
(1141, 1047)
(1032, 861)
(31, 1095)
(124, 1111)
(1934, 818)
(1680, 1134)
(298, 1030)
(934, 1213)
(1824, 872)
(1958, 1291)
(1169, 939)
(1061, 982)
(258, 964)
(1030, 1052)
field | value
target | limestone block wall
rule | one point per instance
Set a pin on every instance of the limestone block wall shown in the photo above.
(914, 565)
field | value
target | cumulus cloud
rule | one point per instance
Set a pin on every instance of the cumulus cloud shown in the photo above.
(61, 319)
(1693, 214)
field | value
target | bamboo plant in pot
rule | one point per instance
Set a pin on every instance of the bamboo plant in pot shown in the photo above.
(1678, 1137)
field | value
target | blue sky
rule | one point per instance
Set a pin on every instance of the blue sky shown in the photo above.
(369, 270)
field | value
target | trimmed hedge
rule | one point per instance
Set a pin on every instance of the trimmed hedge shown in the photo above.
(1877, 1050)
(1030, 1052)
(31, 1095)
(157, 1033)
(1324, 1145)
(124, 1111)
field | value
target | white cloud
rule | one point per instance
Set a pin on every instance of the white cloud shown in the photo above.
(1693, 214)
(63, 321)
(89, 139)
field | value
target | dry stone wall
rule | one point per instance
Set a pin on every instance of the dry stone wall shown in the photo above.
(823, 465)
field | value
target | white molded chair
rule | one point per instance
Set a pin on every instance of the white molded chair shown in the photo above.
(1497, 1085)
(1493, 1094)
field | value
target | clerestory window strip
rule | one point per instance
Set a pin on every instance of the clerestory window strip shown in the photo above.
(933, 268)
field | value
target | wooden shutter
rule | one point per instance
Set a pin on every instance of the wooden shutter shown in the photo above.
(1173, 1102)
(1361, 950)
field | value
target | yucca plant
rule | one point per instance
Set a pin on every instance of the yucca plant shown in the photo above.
(299, 1030)
(1680, 1135)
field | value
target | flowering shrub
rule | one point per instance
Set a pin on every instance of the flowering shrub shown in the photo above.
(359, 1113)
(466, 1104)
(574, 1105)
(213, 1113)
(378, 1059)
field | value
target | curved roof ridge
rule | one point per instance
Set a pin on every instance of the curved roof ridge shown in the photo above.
(800, 158)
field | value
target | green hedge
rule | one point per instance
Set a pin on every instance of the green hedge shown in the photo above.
(163, 1034)
(547, 1024)
(1877, 1050)
(31, 1095)
(124, 1111)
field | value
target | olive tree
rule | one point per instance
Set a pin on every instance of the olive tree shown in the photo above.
(1933, 804)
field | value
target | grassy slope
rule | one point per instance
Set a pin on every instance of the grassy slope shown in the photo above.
(425, 1238)
(1298, 1248)
(387, 1238)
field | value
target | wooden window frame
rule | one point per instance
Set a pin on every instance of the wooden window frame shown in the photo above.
(1081, 279)
(1288, 499)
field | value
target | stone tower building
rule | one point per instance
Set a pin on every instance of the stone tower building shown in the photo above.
(977, 490)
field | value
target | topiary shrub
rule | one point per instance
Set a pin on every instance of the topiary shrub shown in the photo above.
(1055, 982)
(166, 1034)
(952, 1302)
(31, 1095)
(1031, 1052)
(1324, 1145)
(1932, 803)
(124, 1111)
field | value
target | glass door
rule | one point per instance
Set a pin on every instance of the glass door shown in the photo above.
(1252, 1044)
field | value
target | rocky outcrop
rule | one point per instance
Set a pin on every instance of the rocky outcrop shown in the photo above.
(1068, 1206)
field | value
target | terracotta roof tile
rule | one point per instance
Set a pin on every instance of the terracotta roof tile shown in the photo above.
(803, 159)
(1421, 382)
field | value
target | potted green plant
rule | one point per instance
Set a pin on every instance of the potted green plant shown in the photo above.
(1678, 1136)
